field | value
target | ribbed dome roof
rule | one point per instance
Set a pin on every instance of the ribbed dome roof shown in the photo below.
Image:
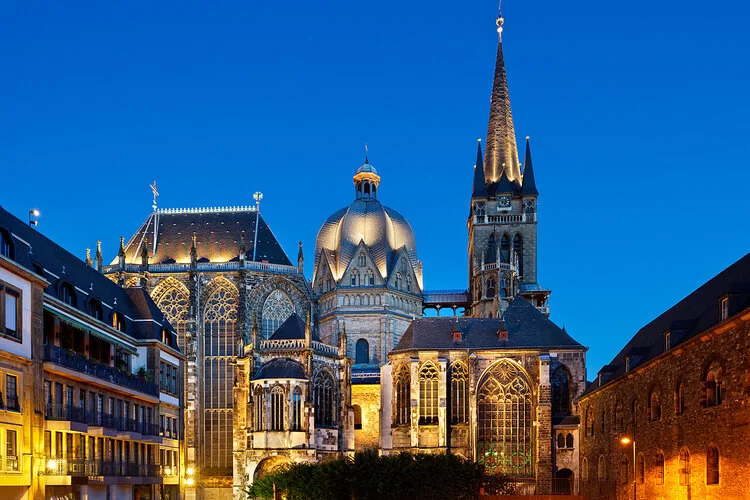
(382, 229)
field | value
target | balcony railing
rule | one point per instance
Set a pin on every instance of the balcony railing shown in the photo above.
(169, 471)
(82, 468)
(11, 463)
(78, 362)
(74, 414)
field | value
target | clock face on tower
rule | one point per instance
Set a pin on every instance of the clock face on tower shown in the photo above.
(503, 201)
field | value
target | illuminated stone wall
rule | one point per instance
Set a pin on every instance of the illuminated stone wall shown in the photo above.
(367, 397)
(725, 426)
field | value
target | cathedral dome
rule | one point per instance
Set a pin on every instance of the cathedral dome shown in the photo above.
(383, 230)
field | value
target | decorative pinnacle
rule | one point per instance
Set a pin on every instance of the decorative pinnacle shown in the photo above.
(500, 21)
(257, 196)
(155, 193)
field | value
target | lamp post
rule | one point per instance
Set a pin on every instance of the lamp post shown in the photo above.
(625, 440)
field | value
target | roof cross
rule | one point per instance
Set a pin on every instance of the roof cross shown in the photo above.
(155, 192)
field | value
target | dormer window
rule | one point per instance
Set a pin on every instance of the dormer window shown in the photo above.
(6, 245)
(627, 364)
(95, 308)
(166, 337)
(68, 294)
(667, 341)
(723, 308)
(118, 321)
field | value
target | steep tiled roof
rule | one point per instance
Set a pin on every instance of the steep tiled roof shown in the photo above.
(219, 236)
(281, 368)
(38, 253)
(690, 317)
(293, 328)
(527, 328)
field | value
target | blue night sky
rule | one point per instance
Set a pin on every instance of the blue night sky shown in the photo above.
(639, 114)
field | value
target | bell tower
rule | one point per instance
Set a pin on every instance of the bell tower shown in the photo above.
(503, 213)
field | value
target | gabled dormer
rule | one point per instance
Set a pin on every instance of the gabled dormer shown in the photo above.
(362, 271)
(401, 275)
(324, 280)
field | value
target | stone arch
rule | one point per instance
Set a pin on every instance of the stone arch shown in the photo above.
(172, 297)
(258, 295)
(270, 464)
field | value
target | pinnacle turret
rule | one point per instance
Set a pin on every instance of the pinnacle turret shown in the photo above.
(529, 183)
(479, 189)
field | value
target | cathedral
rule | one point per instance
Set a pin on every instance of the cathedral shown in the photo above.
(280, 368)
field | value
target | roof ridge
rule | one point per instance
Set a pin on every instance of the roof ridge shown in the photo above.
(196, 210)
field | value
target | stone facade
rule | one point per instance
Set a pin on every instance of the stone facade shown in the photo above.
(686, 408)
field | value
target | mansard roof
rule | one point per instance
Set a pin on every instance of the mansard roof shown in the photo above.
(527, 328)
(293, 329)
(36, 252)
(281, 368)
(220, 233)
(693, 315)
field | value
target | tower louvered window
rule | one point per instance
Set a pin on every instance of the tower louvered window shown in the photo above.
(504, 421)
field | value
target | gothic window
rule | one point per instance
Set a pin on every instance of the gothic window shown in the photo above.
(428, 394)
(504, 420)
(398, 283)
(490, 287)
(713, 389)
(459, 377)
(684, 467)
(328, 284)
(477, 289)
(408, 283)
(362, 354)
(679, 399)
(259, 408)
(297, 409)
(355, 277)
(560, 440)
(569, 440)
(518, 249)
(641, 469)
(712, 465)
(357, 417)
(325, 400)
(585, 469)
(659, 468)
(491, 255)
(601, 469)
(604, 418)
(277, 408)
(590, 424)
(219, 342)
(403, 395)
(624, 472)
(6, 244)
(172, 298)
(654, 407)
(361, 260)
(369, 277)
(560, 382)
(276, 309)
(479, 209)
(505, 248)
(503, 286)
(619, 417)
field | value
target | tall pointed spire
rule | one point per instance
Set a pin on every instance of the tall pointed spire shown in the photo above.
(501, 136)
(529, 184)
(479, 189)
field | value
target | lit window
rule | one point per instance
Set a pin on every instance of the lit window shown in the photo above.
(459, 379)
(357, 417)
(10, 304)
(11, 450)
(667, 341)
(712, 465)
(403, 397)
(724, 309)
(713, 389)
(297, 409)
(654, 407)
(659, 468)
(428, 394)
(684, 467)
(277, 408)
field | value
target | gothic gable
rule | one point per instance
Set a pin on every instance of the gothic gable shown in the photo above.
(401, 275)
(362, 270)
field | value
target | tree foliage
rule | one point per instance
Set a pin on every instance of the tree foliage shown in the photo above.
(370, 476)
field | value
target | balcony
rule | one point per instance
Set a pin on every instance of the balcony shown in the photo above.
(85, 468)
(70, 413)
(80, 363)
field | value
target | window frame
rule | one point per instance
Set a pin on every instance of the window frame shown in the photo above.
(5, 290)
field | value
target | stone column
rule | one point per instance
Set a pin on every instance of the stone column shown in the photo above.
(192, 378)
(414, 390)
(444, 365)
(544, 429)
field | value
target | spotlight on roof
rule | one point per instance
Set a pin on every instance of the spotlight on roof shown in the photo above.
(33, 217)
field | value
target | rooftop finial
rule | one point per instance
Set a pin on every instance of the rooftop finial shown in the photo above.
(257, 196)
(500, 20)
(367, 153)
(155, 193)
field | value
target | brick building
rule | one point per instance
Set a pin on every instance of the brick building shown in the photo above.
(92, 404)
(680, 390)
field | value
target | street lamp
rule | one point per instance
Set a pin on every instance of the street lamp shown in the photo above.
(625, 441)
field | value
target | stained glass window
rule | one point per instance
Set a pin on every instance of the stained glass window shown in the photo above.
(403, 384)
(504, 433)
(459, 378)
(276, 309)
(560, 382)
(428, 394)
(219, 331)
(325, 400)
(277, 408)
(172, 297)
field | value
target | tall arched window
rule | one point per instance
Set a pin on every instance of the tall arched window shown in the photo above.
(325, 400)
(641, 469)
(296, 409)
(354, 277)
(490, 287)
(172, 298)
(590, 423)
(560, 384)
(569, 441)
(491, 255)
(428, 394)
(219, 341)
(259, 408)
(277, 408)
(712, 465)
(505, 248)
(369, 277)
(619, 417)
(362, 355)
(518, 249)
(361, 259)
(679, 399)
(560, 440)
(684, 467)
(713, 384)
(659, 468)
(504, 420)
(654, 407)
(585, 469)
(403, 395)
(459, 379)
(276, 309)
(601, 469)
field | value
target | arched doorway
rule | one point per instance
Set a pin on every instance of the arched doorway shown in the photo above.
(563, 482)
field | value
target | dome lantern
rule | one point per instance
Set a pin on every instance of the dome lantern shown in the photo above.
(366, 181)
